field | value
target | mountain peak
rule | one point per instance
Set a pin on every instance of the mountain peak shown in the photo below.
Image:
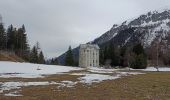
(146, 29)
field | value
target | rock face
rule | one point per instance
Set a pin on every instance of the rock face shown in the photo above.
(147, 28)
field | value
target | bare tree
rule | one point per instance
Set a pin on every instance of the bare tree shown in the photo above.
(158, 47)
(157, 56)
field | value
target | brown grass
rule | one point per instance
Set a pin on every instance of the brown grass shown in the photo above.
(10, 57)
(150, 86)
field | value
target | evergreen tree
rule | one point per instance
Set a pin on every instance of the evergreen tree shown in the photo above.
(54, 61)
(112, 53)
(37, 45)
(69, 61)
(101, 57)
(41, 58)
(123, 56)
(139, 59)
(34, 55)
(2, 37)
(11, 39)
(115, 56)
(138, 49)
(106, 54)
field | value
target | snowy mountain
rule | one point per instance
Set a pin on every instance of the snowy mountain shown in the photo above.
(147, 28)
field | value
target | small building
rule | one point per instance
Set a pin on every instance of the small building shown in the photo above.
(89, 55)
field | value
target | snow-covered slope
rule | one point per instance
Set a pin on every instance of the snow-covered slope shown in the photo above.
(149, 26)
(28, 70)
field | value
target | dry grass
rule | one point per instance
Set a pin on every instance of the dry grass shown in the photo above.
(150, 86)
(10, 57)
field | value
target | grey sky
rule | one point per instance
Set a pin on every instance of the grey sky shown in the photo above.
(56, 24)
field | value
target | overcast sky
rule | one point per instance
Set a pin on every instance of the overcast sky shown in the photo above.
(56, 24)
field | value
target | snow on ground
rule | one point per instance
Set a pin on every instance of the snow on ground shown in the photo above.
(129, 73)
(87, 78)
(7, 86)
(28, 70)
(101, 70)
(90, 78)
(163, 69)
(14, 94)
(66, 84)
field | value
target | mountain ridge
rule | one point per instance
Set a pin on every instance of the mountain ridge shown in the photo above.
(145, 29)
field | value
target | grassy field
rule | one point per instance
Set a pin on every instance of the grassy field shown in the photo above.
(149, 86)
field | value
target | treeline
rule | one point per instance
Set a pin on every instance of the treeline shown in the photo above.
(15, 40)
(69, 59)
(113, 56)
(36, 55)
(133, 56)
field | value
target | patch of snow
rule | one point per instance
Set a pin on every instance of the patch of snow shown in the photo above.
(13, 94)
(101, 70)
(20, 75)
(28, 70)
(66, 84)
(114, 35)
(153, 33)
(127, 40)
(91, 78)
(34, 83)
(129, 73)
(77, 74)
(163, 69)
(6, 86)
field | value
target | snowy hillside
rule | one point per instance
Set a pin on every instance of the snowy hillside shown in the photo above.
(152, 24)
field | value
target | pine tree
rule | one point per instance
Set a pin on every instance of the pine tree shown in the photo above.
(41, 58)
(115, 56)
(11, 39)
(34, 55)
(21, 41)
(69, 61)
(101, 57)
(138, 49)
(54, 61)
(37, 45)
(112, 53)
(2, 37)
(138, 57)
(123, 56)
